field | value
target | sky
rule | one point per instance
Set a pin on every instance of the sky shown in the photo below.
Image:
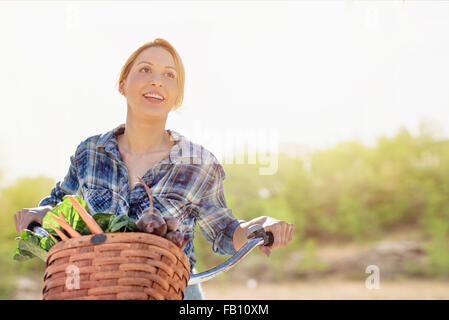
(260, 75)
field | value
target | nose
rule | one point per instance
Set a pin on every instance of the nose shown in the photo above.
(156, 83)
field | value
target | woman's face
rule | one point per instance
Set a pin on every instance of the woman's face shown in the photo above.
(151, 88)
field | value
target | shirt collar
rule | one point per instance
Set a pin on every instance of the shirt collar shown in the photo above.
(108, 141)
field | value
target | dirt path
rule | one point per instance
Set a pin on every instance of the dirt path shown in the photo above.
(29, 289)
(331, 289)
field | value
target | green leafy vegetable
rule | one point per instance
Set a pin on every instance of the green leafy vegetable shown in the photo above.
(104, 220)
(122, 223)
(22, 255)
(32, 245)
(115, 223)
(70, 215)
(48, 242)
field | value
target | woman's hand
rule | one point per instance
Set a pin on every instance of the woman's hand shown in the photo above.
(27, 215)
(282, 233)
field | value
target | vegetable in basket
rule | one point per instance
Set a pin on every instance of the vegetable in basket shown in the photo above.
(71, 219)
(33, 245)
(68, 220)
(61, 221)
(153, 222)
(87, 218)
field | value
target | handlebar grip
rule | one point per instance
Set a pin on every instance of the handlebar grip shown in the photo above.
(269, 239)
(36, 227)
(256, 230)
(33, 224)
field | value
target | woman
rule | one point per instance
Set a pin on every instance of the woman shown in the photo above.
(184, 177)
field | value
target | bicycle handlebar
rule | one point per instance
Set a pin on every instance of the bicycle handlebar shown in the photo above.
(256, 235)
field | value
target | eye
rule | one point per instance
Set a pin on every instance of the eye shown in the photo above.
(171, 75)
(145, 68)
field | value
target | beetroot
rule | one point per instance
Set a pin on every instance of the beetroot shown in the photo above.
(156, 226)
(178, 238)
(186, 240)
(152, 224)
(172, 223)
(143, 221)
(151, 220)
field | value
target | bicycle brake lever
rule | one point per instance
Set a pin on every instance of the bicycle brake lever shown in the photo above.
(36, 227)
(256, 230)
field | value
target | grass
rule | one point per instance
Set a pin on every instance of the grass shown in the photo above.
(11, 270)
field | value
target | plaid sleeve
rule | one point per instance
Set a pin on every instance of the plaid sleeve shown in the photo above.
(215, 219)
(68, 186)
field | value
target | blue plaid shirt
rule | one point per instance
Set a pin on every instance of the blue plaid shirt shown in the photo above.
(188, 178)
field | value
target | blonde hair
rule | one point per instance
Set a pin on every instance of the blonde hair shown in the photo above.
(158, 42)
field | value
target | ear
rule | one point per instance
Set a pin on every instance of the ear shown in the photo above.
(121, 90)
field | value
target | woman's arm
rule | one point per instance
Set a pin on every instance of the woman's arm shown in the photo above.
(27, 215)
(239, 238)
(282, 233)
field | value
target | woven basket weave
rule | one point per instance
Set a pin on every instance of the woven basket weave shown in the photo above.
(116, 266)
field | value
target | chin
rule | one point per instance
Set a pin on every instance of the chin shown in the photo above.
(154, 111)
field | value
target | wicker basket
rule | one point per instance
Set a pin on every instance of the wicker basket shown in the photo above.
(116, 266)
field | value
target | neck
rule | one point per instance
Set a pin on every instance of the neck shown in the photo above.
(142, 137)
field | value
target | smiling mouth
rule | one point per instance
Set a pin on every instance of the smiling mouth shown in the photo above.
(154, 95)
(154, 100)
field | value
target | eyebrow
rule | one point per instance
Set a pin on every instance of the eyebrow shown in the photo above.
(152, 64)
